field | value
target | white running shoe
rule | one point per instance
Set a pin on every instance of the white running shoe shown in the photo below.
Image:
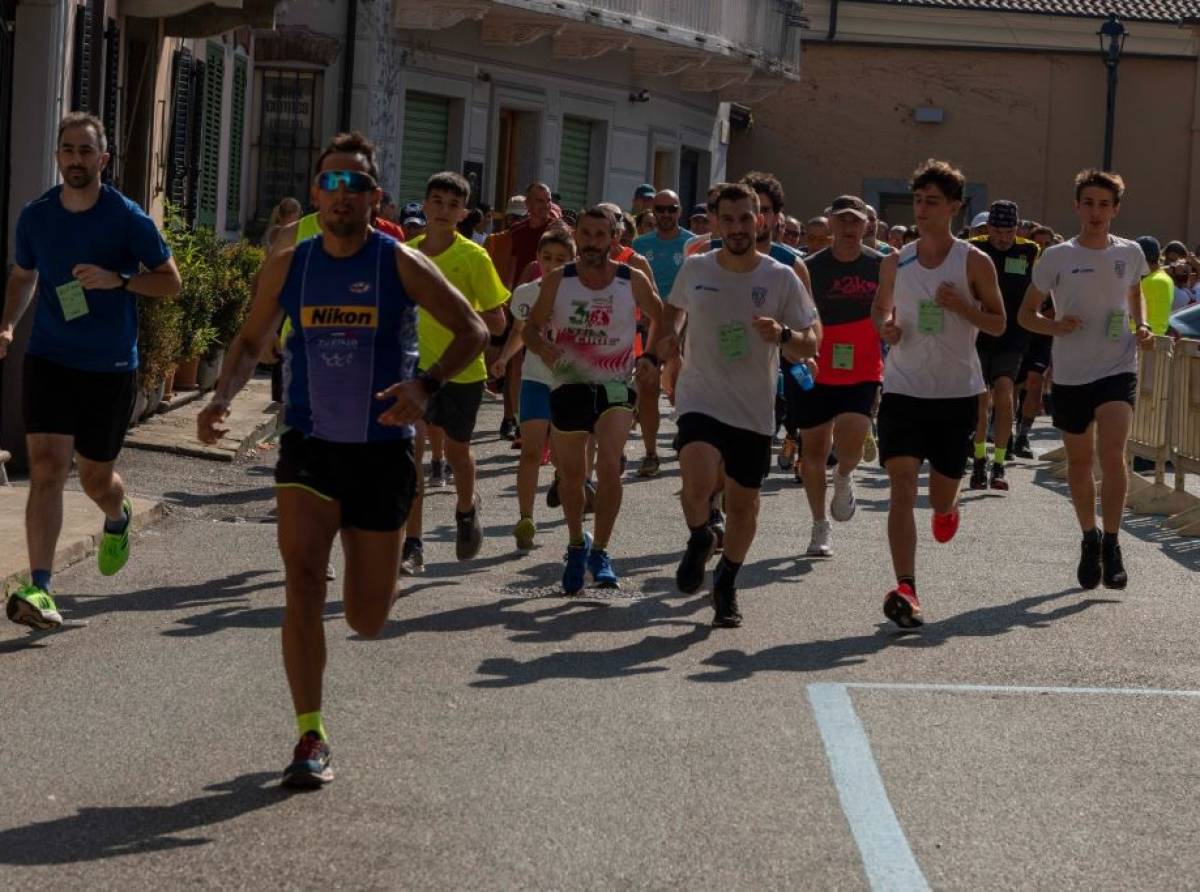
(843, 505)
(818, 545)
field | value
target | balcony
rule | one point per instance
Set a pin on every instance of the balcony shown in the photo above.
(741, 50)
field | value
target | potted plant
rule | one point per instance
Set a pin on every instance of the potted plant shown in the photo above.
(158, 345)
(196, 253)
(237, 266)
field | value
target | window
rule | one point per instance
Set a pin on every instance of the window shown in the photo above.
(575, 162)
(288, 126)
(423, 151)
(237, 131)
(210, 149)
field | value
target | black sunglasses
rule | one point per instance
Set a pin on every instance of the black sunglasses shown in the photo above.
(353, 180)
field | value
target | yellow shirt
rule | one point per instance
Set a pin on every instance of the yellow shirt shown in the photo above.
(469, 269)
(1158, 289)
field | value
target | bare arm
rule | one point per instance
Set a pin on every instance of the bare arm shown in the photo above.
(1137, 313)
(511, 347)
(446, 304)
(162, 281)
(801, 269)
(648, 301)
(986, 311)
(18, 294)
(495, 320)
(1030, 316)
(883, 310)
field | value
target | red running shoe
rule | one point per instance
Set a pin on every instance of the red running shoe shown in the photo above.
(902, 607)
(945, 525)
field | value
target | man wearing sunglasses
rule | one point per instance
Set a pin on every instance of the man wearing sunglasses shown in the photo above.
(346, 461)
(663, 250)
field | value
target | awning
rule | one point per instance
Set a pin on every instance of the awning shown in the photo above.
(164, 9)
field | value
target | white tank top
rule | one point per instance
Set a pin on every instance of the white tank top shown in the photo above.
(595, 328)
(936, 357)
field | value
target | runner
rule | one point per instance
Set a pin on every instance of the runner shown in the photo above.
(556, 250)
(816, 235)
(346, 462)
(698, 220)
(793, 233)
(849, 368)
(1094, 280)
(1033, 377)
(871, 238)
(454, 408)
(742, 310)
(80, 247)
(934, 297)
(1000, 358)
(590, 304)
(643, 199)
(663, 250)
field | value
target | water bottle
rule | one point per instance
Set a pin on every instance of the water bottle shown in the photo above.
(802, 375)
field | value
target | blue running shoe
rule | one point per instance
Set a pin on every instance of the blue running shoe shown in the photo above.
(575, 572)
(600, 566)
(310, 763)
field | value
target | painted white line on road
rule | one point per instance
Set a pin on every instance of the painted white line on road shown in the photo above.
(886, 857)
(1016, 689)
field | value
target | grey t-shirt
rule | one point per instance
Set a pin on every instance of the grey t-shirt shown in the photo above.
(1093, 284)
(729, 373)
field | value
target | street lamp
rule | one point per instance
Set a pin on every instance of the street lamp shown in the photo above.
(1112, 36)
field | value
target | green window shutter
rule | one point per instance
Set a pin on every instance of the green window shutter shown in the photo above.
(574, 163)
(210, 149)
(424, 149)
(237, 130)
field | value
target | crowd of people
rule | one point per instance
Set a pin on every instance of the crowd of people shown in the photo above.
(859, 340)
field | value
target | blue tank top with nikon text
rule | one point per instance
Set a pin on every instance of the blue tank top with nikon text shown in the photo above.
(354, 333)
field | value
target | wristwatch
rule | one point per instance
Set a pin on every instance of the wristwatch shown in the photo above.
(125, 280)
(785, 335)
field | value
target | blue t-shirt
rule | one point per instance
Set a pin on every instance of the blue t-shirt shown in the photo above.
(778, 251)
(114, 234)
(665, 257)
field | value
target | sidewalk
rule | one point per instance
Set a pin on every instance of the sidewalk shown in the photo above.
(251, 420)
(80, 537)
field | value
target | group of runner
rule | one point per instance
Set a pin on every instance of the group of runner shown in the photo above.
(385, 344)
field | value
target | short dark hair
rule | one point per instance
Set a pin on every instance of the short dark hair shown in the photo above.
(352, 143)
(538, 184)
(714, 192)
(948, 178)
(599, 212)
(1042, 230)
(766, 184)
(557, 235)
(1105, 179)
(449, 181)
(83, 119)
(738, 192)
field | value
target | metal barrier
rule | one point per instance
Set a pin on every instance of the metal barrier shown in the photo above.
(1185, 433)
(1150, 437)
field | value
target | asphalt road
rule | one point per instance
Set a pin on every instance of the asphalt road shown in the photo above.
(500, 736)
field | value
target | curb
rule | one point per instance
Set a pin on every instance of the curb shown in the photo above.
(73, 552)
(196, 449)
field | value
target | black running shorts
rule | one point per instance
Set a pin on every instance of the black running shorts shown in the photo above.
(1000, 364)
(575, 408)
(92, 407)
(1075, 404)
(1037, 355)
(937, 430)
(454, 409)
(825, 402)
(746, 454)
(373, 482)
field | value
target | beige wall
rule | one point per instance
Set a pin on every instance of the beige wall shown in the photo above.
(1021, 123)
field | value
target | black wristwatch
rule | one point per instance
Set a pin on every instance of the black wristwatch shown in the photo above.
(125, 280)
(431, 384)
(785, 335)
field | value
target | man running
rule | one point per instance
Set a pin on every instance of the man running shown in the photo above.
(82, 247)
(454, 409)
(591, 306)
(346, 463)
(849, 368)
(1094, 280)
(742, 309)
(934, 297)
(663, 250)
(1000, 358)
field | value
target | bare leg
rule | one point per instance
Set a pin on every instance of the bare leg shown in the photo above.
(1113, 422)
(1002, 391)
(103, 486)
(700, 468)
(817, 442)
(612, 432)
(647, 414)
(463, 462)
(533, 441)
(1080, 449)
(902, 525)
(741, 511)
(414, 526)
(372, 563)
(49, 465)
(850, 433)
(570, 449)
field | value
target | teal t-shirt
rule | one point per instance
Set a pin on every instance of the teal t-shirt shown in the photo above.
(665, 257)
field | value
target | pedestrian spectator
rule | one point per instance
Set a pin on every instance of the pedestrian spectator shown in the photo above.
(1174, 252)
(1184, 277)
(287, 212)
(643, 198)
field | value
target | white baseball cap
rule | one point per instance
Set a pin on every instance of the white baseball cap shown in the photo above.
(981, 219)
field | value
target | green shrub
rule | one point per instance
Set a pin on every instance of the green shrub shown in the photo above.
(159, 339)
(239, 263)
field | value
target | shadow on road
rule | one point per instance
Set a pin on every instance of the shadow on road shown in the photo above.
(96, 833)
(839, 653)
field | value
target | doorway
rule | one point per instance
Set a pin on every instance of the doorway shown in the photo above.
(517, 147)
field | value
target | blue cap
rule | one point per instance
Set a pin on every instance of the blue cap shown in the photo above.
(413, 212)
(1150, 247)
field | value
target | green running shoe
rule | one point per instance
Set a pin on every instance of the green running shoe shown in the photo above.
(33, 607)
(114, 547)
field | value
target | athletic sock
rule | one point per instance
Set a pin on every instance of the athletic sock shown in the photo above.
(696, 531)
(117, 527)
(726, 573)
(1001, 455)
(980, 450)
(41, 578)
(464, 515)
(311, 721)
(413, 542)
(911, 581)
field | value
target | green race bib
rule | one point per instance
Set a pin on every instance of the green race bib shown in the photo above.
(72, 300)
(732, 341)
(616, 392)
(843, 356)
(1016, 266)
(931, 318)
(1116, 325)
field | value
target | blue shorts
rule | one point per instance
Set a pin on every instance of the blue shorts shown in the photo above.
(535, 401)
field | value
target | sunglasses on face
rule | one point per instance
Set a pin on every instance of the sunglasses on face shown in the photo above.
(666, 208)
(353, 180)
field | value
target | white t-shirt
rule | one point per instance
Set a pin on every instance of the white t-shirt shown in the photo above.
(1093, 284)
(523, 300)
(730, 373)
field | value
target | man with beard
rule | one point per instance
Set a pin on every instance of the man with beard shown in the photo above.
(346, 461)
(89, 252)
(743, 309)
(592, 305)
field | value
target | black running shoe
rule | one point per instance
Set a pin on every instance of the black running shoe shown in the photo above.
(725, 605)
(469, 533)
(552, 498)
(1114, 568)
(997, 480)
(979, 474)
(310, 763)
(690, 574)
(508, 429)
(1021, 447)
(716, 523)
(1089, 570)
